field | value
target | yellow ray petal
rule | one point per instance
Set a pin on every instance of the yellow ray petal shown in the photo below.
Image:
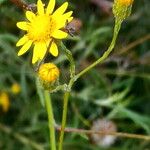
(64, 19)
(58, 34)
(70, 19)
(48, 42)
(61, 23)
(53, 49)
(39, 51)
(67, 15)
(25, 48)
(42, 50)
(30, 15)
(35, 56)
(22, 41)
(50, 7)
(40, 7)
(61, 10)
(22, 25)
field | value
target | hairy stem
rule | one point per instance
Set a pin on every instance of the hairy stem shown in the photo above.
(70, 59)
(49, 109)
(73, 79)
(64, 117)
(106, 54)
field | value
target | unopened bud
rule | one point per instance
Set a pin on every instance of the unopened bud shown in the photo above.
(15, 88)
(4, 101)
(48, 74)
(122, 9)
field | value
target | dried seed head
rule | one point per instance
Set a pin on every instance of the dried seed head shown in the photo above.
(103, 125)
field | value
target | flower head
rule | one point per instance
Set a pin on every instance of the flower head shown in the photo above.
(43, 29)
(122, 9)
(125, 2)
(48, 72)
(104, 126)
(15, 88)
(4, 101)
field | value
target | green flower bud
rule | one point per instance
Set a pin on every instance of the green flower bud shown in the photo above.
(122, 9)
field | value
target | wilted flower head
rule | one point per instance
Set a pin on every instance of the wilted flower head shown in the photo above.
(48, 73)
(4, 101)
(122, 8)
(104, 126)
(15, 88)
(43, 28)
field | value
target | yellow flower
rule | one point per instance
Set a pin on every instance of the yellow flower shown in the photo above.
(4, 101)
(43, 28)
(15, 88)
(125, 2)
(48, 72)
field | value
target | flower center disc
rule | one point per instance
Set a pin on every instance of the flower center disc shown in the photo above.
(41, 28)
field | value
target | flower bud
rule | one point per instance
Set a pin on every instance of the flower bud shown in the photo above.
(48, 74)
(4, 101)
(122, 9)
(125, 2)
(15, 88)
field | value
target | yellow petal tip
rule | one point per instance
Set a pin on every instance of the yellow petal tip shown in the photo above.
(19, 54)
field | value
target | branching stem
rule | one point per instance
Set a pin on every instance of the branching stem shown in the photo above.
(73, 79)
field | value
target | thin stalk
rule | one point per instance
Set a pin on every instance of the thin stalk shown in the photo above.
(49, 109)
(21, 138)
(67, 94)
(70, 59)
(64, 117)
(106, 54)
(117, 134)
(73, 79)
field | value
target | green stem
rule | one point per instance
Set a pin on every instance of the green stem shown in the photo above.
(73, 79)
(49, 109)
(106, 54)
(70, 58)
(64, 117)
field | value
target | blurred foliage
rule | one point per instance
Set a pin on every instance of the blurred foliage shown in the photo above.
(119, 89)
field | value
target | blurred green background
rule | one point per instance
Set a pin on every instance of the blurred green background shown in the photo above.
(117, 90)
